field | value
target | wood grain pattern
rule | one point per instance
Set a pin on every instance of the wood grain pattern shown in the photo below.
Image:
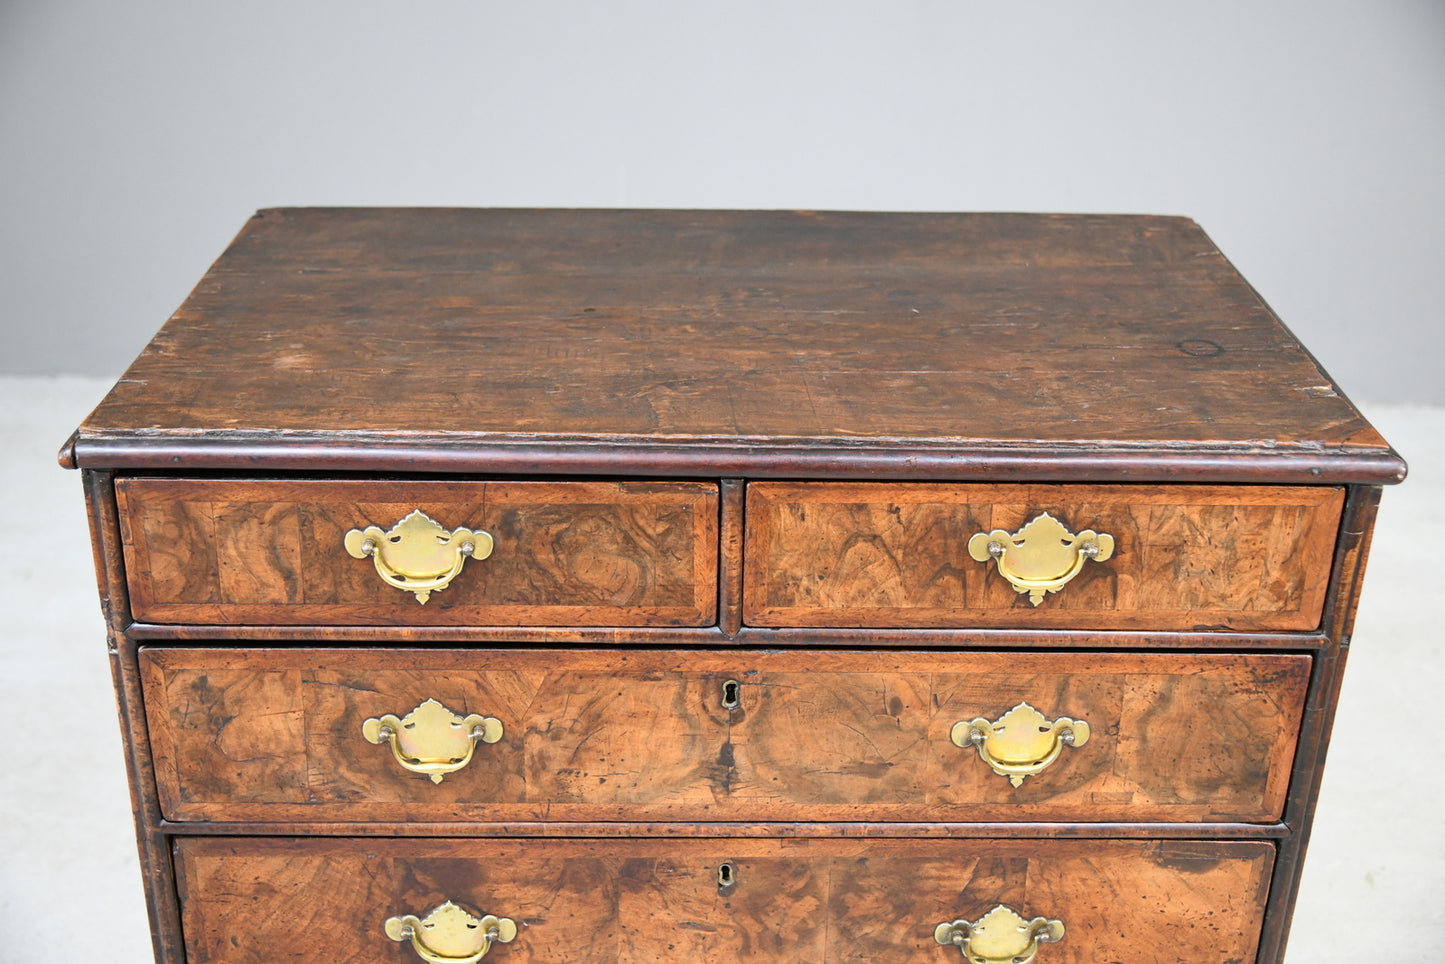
(730, 568)
(731, 344)
(249, 901)
(1241, 558)
(820, 735)
(568, 553)
(766, 638)
(506, 369)
(1352, 553)
(738, 829)
(157, 876)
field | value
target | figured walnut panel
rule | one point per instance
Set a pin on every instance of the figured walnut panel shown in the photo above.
(1241, 558)
(567, 553)
(248, 901)
(1174, 737)
(819, 735)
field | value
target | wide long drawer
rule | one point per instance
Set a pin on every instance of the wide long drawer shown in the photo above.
(1180, 557)
(822, 901)
(297, 552)
(558, 735)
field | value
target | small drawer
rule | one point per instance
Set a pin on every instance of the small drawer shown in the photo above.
(572, 736)
(1168, 558)
(639, 901)
(298, 552)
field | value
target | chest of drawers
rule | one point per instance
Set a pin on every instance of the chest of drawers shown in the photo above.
(607, 586)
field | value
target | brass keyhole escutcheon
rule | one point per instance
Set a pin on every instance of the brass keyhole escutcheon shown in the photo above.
(727, 878)
(1043, 556)
(732, 696)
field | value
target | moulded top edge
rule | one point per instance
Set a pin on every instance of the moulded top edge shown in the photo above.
(1089, 462)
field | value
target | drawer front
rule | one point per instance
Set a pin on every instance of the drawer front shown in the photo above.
(816, 900)
(282, 735)
(1243, 558)
(562, 553)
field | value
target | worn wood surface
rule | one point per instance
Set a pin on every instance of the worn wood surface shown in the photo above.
(152, 843)
(821, 735)
(730, 565)
(567, 553)
(738, 829)
(891, 638)
(731, 344)
(249, 901)
(1239, 558)
(1352, 553)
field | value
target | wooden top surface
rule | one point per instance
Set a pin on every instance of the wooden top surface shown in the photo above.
(731, 343)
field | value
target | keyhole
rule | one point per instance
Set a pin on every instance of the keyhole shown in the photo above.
(732, 693)
(727, 878)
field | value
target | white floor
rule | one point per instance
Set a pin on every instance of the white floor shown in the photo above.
(69, 881)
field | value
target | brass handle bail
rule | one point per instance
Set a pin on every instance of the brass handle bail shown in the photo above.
(1043, 556)
(1002, 936)
(1020, 743)
(418, 555)
(431, 739)
(451, 935)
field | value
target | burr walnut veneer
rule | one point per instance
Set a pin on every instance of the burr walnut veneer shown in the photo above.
(633, 586)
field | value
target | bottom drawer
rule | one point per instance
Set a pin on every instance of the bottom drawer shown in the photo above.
(814, 900)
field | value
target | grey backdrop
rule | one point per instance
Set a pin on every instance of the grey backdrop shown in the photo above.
(1307, 137)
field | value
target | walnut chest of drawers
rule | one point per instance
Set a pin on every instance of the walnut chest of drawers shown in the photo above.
(609, 586)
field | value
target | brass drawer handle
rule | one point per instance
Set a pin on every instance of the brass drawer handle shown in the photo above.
(1021, 742)
(417, 554)
(431, 739)
(1042, 556)
(450, 935)
(999, 937)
